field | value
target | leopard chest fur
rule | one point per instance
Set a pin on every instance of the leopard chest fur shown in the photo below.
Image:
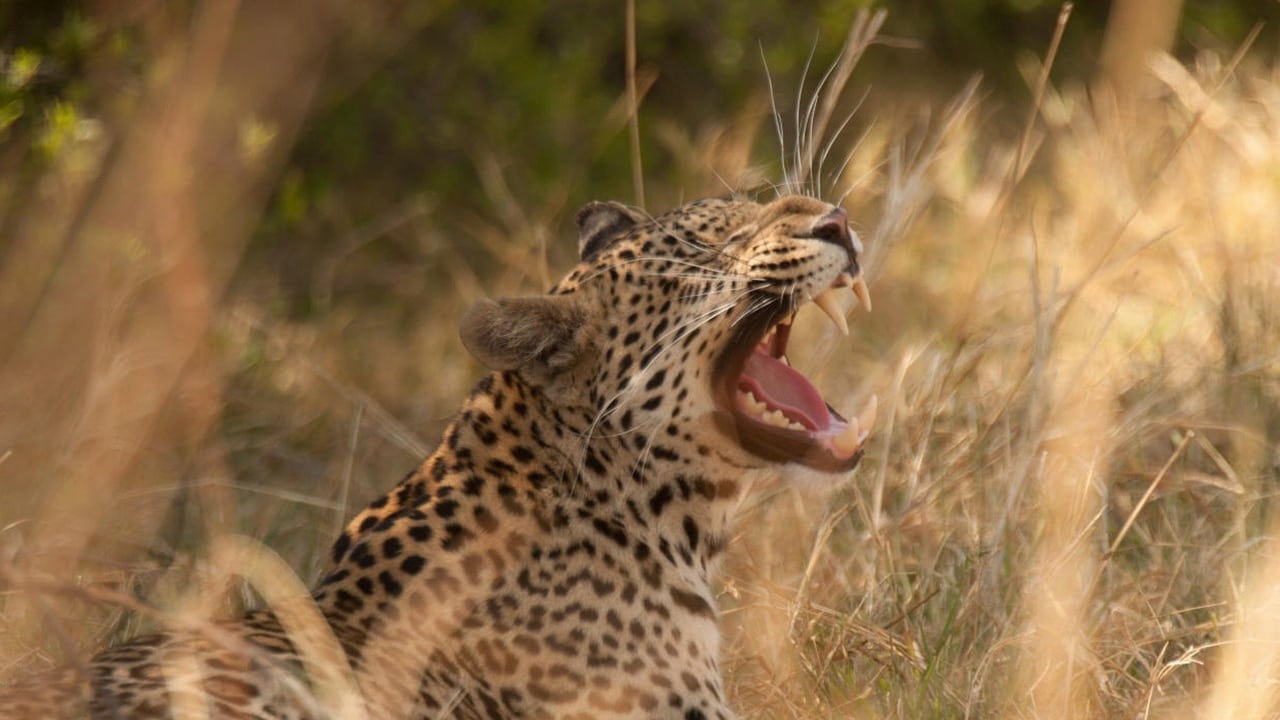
(507, 577)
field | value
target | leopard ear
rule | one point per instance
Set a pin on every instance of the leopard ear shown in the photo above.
(600, 223)
(541, 336)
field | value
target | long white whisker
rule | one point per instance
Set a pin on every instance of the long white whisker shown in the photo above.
(798, 170)
(810, 140)
(686, 329)
(642, 458)
(705, 269)
(848, 159)
(822, 159)
(777, 120)
(716, 272)
(752, 309)
(751, 284)
(723, 182)
(617, 400)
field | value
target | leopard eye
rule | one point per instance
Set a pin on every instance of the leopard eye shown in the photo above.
(740, 235)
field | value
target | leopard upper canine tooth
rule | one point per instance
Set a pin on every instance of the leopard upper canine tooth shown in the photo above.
(826, 301)
(861, 292)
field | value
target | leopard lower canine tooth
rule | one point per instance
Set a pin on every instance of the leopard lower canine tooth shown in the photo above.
(848, 441)
(826, 301)
(859, 427)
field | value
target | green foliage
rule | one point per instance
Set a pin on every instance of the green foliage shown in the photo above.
(534, 92)
(18, 73)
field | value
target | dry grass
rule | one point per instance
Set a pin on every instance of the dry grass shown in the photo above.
(1065, 512)
(1067, 509)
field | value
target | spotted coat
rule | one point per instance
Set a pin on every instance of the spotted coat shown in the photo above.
(555, 556)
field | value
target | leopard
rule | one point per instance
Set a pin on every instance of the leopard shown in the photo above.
(557, 555)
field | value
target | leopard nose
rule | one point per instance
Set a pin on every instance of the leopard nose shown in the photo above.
(834, 228)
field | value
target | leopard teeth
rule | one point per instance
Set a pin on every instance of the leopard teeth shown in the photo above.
(761, 411)
(858, 285)
(827, 303)
(858, 428)
(776, 418)
(861, 292)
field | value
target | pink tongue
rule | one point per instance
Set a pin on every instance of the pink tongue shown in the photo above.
(782, 388)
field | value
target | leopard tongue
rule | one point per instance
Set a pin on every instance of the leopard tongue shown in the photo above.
(782, 388)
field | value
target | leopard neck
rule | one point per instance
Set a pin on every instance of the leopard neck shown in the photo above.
(669, 490)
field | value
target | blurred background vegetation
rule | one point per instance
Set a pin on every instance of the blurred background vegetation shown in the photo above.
(235, 238)
(425, 113)
(414, 113)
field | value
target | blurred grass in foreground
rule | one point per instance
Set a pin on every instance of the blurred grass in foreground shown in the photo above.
(1066, 511)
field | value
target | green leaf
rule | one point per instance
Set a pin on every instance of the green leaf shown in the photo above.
(22, 67)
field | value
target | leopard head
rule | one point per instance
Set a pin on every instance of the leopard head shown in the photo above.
(671, 333)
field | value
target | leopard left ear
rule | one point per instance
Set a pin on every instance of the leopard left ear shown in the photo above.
(543, 336)
(600, 223)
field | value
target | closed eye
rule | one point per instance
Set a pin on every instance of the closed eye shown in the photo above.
(741, 234)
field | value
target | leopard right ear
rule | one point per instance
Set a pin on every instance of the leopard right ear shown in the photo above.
(543, 337)
(600, 223)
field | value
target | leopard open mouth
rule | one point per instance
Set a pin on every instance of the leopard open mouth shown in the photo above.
(777, 413)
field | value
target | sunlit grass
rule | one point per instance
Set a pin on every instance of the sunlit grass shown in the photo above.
(1068, 492)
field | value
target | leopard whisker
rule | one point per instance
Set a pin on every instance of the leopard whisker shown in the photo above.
(618, 399)
(805, 154)
(844, 165)
(777, 123)
(705, 269)
(826, 150)
(800, 170)
(719, 272)
(684, 330)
